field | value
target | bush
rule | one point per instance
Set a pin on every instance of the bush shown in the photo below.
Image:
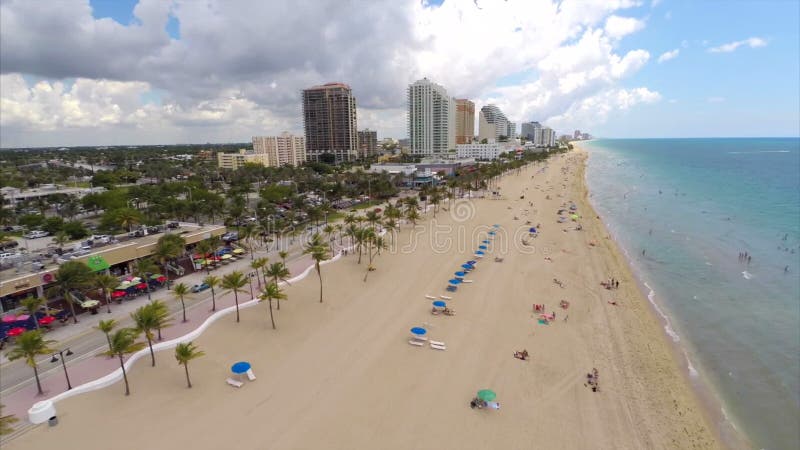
(31, 221)
(53, 225)
(75, 230)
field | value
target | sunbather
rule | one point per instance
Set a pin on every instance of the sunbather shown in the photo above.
(448, 312)
(523, 355)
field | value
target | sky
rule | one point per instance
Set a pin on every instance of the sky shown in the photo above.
(122, 72)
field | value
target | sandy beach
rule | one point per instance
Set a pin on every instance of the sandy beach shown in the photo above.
(342, 375)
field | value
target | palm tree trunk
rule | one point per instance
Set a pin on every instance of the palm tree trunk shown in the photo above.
(152, 355)
(236, 299)
(213, 300)
(271, 317)
(124, 374)
(38, 383)
(186, 368)
(319, 274)
(276, 283)
(68, 297)
(108, 301)
(108, 339)
(183, 305)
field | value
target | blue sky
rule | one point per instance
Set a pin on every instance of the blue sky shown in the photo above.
(167, 71)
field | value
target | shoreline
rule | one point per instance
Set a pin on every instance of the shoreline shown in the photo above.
(341, 375)
(708, 397)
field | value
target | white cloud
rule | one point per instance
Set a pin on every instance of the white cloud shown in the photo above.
(753, 42)
(715, 99)
(655, 3)
(617, 27)
(594, 110)
(666, 56)
(214, 85)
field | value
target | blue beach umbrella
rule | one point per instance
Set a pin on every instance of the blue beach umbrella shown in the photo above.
(491, 233)
(496, 226)
(532, 230)
(419, 331)
(240, 367)
(482, 247)
(455, 281)
(472, 263)
(479, 252)
(439, 304)
(460, 274)
(467, 266)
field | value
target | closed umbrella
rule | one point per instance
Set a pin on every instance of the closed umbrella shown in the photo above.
(532, 230)
(486, 241)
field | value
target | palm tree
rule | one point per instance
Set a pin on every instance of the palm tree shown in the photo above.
(106, 326)
(6, 421)
(212, 282)
(143, 268)
(412, 215)
(71, 275)
(319, 252)
(60, 239)
(146, 320)
(258, 266)
(161, 312)
(32, 305)
(391, 226)
(168, 247)
(29, 345)
(204, 247)
(235, 282)
(179, 291)
(185, 352)
(123, 342)
(106, 283)
(282, 254)
(127, 218)
(328, 230)
(278, 272)
(271, 292)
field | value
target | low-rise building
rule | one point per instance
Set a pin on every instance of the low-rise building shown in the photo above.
(478, 151)
(277, 151)
(234, 161)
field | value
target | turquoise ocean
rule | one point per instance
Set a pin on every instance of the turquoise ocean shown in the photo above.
(692, 206)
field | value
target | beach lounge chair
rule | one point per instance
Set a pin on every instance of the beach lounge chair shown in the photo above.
(234, 383)
(467, 281)
(445, 297)
(439, 343)
(416, 343)
(438, 347)
(430, 297)
(250, 375)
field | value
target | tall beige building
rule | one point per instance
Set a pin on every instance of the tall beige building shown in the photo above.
(465, 121)
(277, 151)
(329, 121)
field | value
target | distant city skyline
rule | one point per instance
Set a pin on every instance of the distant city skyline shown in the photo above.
(128, 72)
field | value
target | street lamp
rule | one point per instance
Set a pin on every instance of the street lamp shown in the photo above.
(55, 358)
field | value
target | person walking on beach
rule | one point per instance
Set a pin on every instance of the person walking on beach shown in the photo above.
(642, 252)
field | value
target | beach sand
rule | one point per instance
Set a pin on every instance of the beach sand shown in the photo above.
(341, 374)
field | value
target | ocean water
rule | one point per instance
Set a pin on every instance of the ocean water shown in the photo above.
(683, 210)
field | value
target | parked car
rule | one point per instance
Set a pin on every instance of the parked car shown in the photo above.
(100, 239)
(230, 236)
(200, 287)
(12, 228)
(35, 234)
(9, 245)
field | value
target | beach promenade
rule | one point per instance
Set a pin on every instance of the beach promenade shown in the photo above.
(342, 375)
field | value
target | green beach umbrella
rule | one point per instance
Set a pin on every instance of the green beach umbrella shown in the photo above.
(487, 395)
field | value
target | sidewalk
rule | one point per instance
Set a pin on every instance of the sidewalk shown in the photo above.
(88, 366)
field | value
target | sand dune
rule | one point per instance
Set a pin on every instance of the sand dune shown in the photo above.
(341, 375)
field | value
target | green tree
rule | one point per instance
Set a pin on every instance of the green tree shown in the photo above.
(168, 247)
(161, 312)
(123, 342)
(32, 305)
(106, 326)
(185, 352)
(127, 218)
(60, 239)
(258, 265)
(278, 272)
(271, 292)
(212, 282)
(282, 254)
(319, 252)
(146, 319)
(29, 345)
(179, 291)
(71, 275)
(235, 282)
(106, 283)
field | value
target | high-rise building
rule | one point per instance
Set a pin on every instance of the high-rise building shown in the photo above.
(431, 118)
(529, 130)
(280, 150)
(576, 135)
(493, 124)
(512, 130)
(329, 120)
(367, 143)
(465, 121)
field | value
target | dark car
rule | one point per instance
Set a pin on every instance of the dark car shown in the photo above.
(200, 287)
(9, 245)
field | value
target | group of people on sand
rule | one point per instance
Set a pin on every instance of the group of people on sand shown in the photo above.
(593, 380)
(610, 284)
(745, 258)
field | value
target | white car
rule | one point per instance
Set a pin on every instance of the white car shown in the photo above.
(35, 234)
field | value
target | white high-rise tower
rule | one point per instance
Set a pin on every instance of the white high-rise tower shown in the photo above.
(431, 118)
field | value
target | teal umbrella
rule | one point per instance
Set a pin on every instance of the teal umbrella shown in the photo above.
(487, 395)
